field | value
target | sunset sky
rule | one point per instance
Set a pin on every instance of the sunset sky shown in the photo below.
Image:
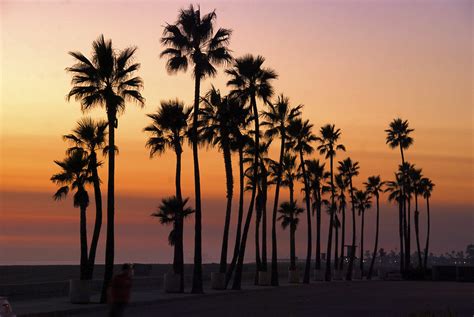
(357, 64)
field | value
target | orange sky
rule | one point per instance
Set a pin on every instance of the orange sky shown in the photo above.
(357, 64)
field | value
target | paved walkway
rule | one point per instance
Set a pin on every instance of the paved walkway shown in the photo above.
(338, 298)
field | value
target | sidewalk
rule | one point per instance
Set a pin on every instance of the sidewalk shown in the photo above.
(60, 306)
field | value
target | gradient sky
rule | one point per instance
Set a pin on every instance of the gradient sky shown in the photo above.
(357, 64)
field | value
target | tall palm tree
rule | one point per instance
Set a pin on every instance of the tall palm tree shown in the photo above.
(427, 187)
(396, 194)
(249, 81)
(220, 122)
(398, 136)
(362, 203)
(415, 176)
(74, 175)
(107, 80)
(173, 210)
(276, 119)
(317, 178)
(405, 170)
(89, 136)
(168, 130)
(329, 139)
(350, 169)
(289, 213)
(301, 138)
(374, 187)
(342, 184)
(192, 40)
(261, 199)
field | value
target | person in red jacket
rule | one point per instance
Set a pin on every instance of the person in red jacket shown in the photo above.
(119, 291)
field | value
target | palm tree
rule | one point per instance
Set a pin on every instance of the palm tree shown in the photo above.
(405, 170)
(74, 175)
(220, 121)
(396, 194)
(107, 80)
(328, 139)
(398, 136)
(261, 198)
(173, 210)
(276, 118)
(341, 183)
(317, 178)
(350, 169)
(191, 40)
(301, 138)
(168, 130)
(289, 217)
(89, 136)
(362, 203)
(374, 187)
(427, 187)
(249, 81)
(415, 176)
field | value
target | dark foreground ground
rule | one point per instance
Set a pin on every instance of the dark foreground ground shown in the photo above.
(359, 298)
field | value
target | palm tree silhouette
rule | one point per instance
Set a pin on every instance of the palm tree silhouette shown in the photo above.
(405, 170)
(191, 40)
(89, 136)
(75, 175)
(342, 184)
(249, 81)
(289, 213)
(396, 194)
(168, 130)
(173, 210)
(276, 119)
(398, 135)
(427, 187)
(317, 179)
(301, 138)
(261, 198)
(374, 187)
(415, 176)
(107, 80)
(362, 203)
(221, 118)
(328, 139)
(350, 169)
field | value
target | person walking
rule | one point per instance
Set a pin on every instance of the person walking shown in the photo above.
(119, 291)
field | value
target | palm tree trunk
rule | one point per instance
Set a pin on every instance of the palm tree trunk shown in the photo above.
(258, 219)
(361, 264)
(110, 238)
(408, 235)
(374, 255)
(401, 234)
(239, 216)
(264, 263)
(343, 237)
(179, 247)
(318, 231)
(240, 263)
(292, 246)
(336, 245)
(197, 270)
(417, 229)
(274, 276)
(425, 260)
(98, 216)
(331, 221)
(352, 257)
(83, 235)
(230, 188)
(307, 269)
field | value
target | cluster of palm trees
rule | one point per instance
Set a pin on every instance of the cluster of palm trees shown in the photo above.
(245, 122)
